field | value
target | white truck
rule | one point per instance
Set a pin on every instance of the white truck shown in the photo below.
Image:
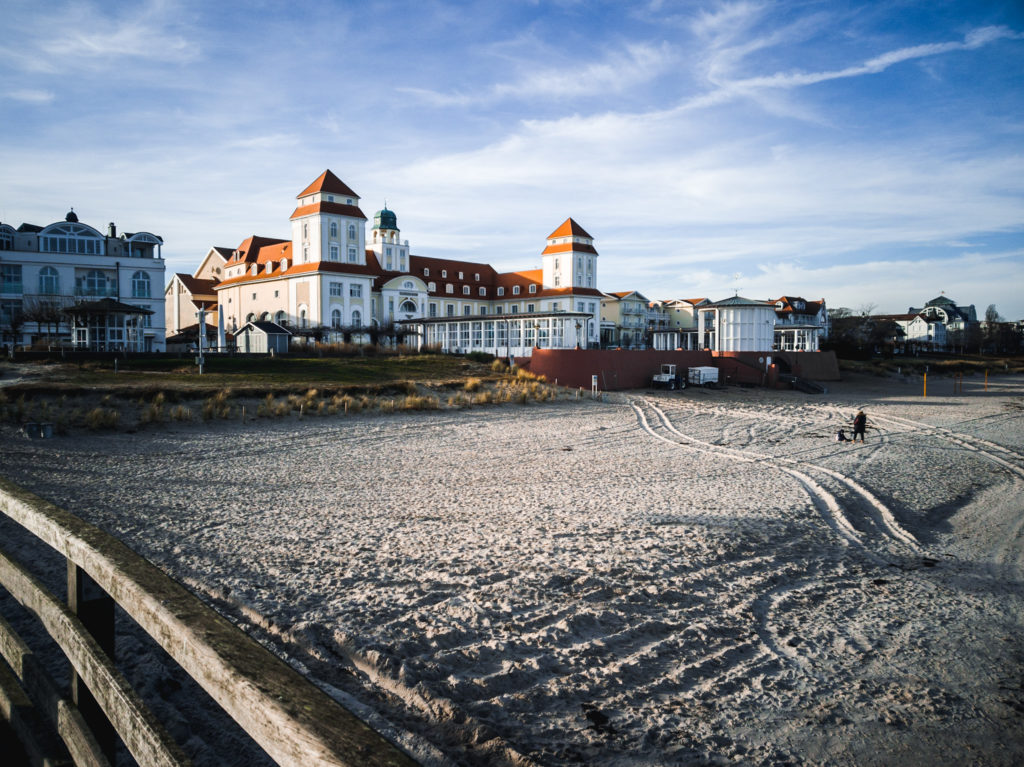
(703, 376)
(668, 379)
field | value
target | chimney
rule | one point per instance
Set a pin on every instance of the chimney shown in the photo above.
(111, 230)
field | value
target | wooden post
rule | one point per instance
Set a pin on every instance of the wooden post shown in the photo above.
(986, 379)
(95, 608)
(925, 385)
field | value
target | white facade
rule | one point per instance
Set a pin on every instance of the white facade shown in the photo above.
(334, 280)
(44, 270)
(738, 325)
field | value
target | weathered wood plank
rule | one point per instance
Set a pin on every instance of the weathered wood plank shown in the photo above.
(142, 734)
(295, 722)
(41, 689)
(37, 739)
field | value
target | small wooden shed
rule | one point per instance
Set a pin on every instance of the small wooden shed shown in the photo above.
(262, 337)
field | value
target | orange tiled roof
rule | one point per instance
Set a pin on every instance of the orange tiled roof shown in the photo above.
(570, 228)
(196, 286)
(329, 183)
(248, 251)
(567, 247)
(328, 207)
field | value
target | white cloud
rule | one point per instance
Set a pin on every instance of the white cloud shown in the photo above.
(30, 96)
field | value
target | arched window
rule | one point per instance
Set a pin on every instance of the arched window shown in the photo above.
(250, 317)
(95, 283)
(265, 317)
(336, 318)
(357, 319)
(302, 318)
(71, 238)
(49, 281)
(407, 307)
(351, 231)
(280, 318)
(140, 285)
(334, 229)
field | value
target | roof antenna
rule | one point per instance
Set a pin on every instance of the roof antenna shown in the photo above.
(736, 278)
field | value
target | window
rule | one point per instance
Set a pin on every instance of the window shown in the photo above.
(305, 254)
(334, 253)
(355, 291)
(305, 231)
(431, 286)
(514, 308)
(483, 291)
(250, 317)
(483, 310)
(557, 281)
(330, 198)
(6, 238)
(302, 318)
(533, 288)
(450, 310)
(49, 281)
(432, 309)
(426, 272)
(449, 288)
(460, 275)
(515, 290)
(351, 255)
(531, 308)
(10, 313)
(253, 296)
(444, 273)
(336, 318)
(501, 291)
(145, 320)
(280, 318)
(10, 278)
(467, 310)
(407, 307)
(352, 231)
(140, 285)
(276, 293)
(334, 229)
(476, 277)
(336, 288)
(465, 290)
(499, 309)
(265, 317)
(71, 238)
(357, 319)
(408, 285)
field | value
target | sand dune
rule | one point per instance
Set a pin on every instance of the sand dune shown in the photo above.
(672, 578)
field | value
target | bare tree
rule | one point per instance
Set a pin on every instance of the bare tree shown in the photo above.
(867, 309)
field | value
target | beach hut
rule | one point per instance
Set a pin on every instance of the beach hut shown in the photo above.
(262, 337)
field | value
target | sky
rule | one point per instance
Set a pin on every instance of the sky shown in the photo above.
(867, 153)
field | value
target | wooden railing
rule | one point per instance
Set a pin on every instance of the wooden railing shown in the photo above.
(290, 718)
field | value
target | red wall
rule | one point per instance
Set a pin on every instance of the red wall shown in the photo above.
(614, 369)
(619, 369)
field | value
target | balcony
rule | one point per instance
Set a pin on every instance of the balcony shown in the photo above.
(110, 291)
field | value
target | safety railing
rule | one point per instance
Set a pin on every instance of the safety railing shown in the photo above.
(294, 721)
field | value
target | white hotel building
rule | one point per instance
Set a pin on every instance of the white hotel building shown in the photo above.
(68, 283)
(332, 275)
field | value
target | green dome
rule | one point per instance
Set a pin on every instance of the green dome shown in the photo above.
(385, 219)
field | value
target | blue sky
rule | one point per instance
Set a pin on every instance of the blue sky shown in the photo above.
(867, 153)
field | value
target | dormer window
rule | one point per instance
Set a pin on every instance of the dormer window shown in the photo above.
(431, 286)
(483, 291)
(349, 201)
(460, 275)
(501, 290)
(779, 305)
(330, 198)
(449, 288)
(515, 290)
(476, 277)
(444, 273)
(465, 290)
(426, 272)
(533, 288)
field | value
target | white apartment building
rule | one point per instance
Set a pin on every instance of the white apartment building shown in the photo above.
(69, 284)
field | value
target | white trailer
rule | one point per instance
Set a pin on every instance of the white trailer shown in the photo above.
(703, 376)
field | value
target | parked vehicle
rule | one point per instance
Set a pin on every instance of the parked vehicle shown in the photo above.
(668, 378)
(703, 376)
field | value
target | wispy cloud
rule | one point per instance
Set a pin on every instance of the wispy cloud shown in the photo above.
(63, 38)
(30, 96)
(618, 72)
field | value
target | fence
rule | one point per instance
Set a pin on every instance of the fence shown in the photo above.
(290, 718)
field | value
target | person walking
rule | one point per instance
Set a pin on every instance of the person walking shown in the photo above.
(860, 425)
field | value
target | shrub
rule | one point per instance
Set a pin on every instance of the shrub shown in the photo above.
(484, 357)
(101, 418)
(418, 402)
(472, 384)
(181, 413)
(499, 366)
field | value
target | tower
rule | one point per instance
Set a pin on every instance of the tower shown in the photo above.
(392, 253)
(328, 224)
(570, 260)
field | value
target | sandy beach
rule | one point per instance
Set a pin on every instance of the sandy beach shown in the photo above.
(672, 578)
